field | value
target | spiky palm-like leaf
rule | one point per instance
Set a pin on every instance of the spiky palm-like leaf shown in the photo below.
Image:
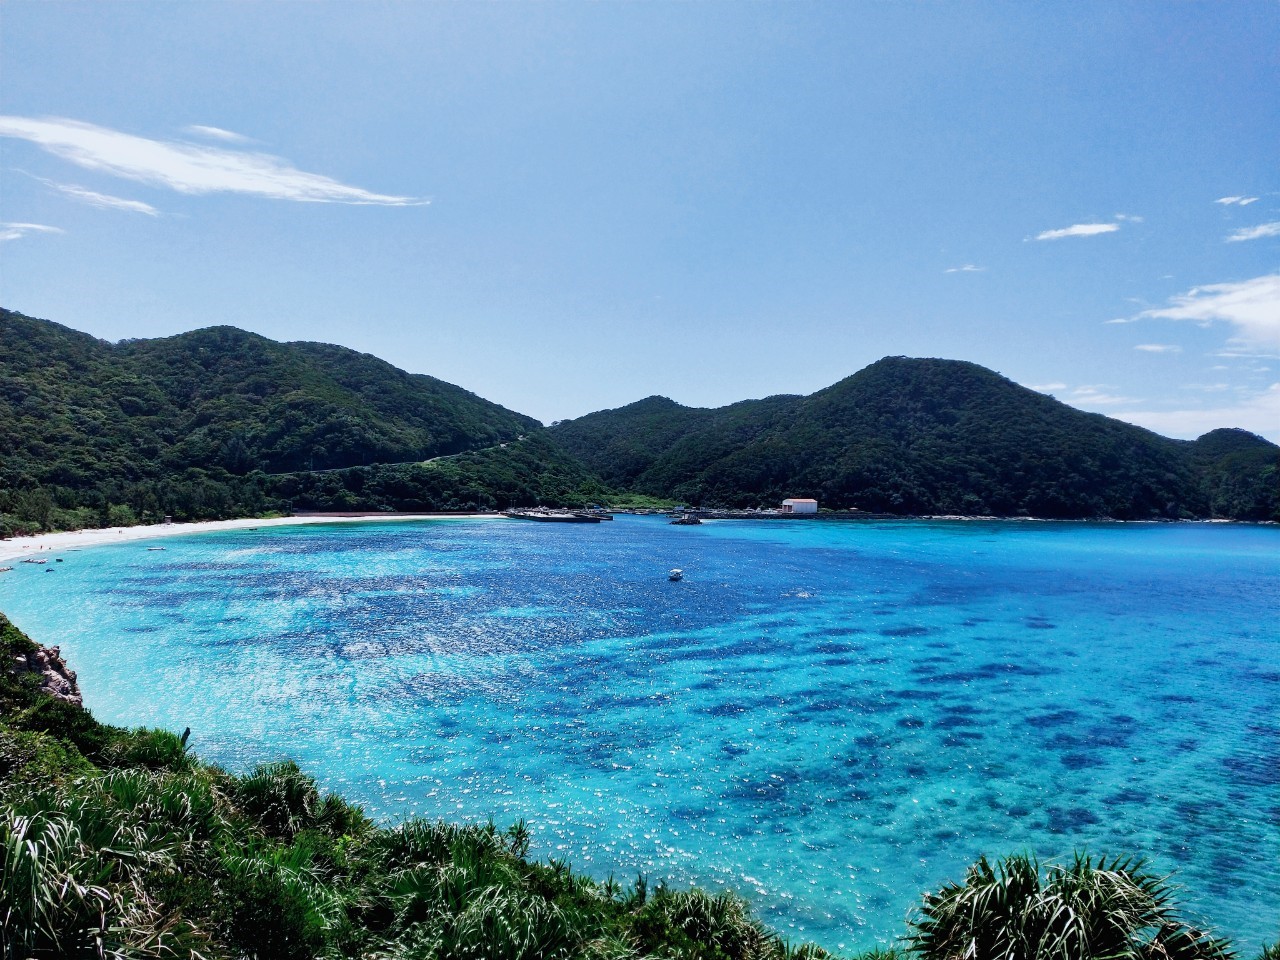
(1085, 910)
(281, 798)
(48, 904)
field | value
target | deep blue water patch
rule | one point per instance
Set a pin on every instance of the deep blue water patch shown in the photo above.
(829, 718)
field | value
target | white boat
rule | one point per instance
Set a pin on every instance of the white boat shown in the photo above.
(676, 575)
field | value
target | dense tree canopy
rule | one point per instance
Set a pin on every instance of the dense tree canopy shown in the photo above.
(196, 425)
(219, 423)
(913, 436)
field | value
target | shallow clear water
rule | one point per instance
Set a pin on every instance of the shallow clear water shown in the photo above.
(829, 718)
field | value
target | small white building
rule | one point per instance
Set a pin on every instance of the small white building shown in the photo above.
(799, 506)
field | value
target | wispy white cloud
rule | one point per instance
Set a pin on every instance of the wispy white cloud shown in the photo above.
(1098, 395)
(1259, 412)
(216, 133)
(967, 268)
(1121, 217)
(1078, 230)
(1048, 387)
(16, 231)
(186, 167)
(1256, 233)
(1158, 347)
(102, 201)
(1251, 307)
(1236, 201)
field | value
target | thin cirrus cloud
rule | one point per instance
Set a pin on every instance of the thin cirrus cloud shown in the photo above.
(967, 268)
(1158, 347)
(1078, 230)
(1098, 395)
(187, 168)
(1257, 411)
(103, 201)
(1236, 201)
(1251, 307)
(16, 231)
(1256, 233)
(216, 133)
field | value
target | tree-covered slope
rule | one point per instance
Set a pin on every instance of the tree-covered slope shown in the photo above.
(220, 422)
(221, 396)
(92, 423)
(1240, 474)
(657, 443)
(523, 473)
(927, 436)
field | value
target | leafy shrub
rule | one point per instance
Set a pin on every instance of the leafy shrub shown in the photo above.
(1086, 910)
(153, 749)
(280, 798)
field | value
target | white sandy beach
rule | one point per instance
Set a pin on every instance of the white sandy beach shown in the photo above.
(50, 544)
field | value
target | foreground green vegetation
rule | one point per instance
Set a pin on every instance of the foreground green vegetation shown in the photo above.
(120, 843)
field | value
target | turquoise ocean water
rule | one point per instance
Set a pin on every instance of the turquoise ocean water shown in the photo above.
(828, 717)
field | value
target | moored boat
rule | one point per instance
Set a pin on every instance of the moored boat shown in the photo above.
(547, 516)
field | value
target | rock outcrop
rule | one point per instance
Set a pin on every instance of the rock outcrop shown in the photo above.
(56, 678)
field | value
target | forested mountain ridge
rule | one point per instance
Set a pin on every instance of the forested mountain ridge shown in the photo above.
(914, 436)
(192, 424)
(220, 422)
(222, 396)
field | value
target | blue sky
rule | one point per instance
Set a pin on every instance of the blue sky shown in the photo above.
(570, 206)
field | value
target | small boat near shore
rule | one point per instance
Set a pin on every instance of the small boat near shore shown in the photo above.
(686, 520)
(548, 516)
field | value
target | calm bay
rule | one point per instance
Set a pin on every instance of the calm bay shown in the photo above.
(829, 718)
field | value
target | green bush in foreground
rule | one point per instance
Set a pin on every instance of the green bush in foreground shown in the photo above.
(1086, 909)
(120, 843)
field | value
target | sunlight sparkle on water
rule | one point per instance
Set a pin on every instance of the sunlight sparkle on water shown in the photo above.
(828, 718)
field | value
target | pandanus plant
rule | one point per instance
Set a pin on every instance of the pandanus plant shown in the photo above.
(1086, 910)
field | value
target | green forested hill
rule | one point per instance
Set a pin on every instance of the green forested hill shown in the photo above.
(520, 473)
(191, 424)
(926, 436)
(224, 397)
(220, 422)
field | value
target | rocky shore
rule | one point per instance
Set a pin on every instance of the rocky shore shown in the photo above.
(56, 678)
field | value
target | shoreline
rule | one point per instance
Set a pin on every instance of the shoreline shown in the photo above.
(47, 544)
